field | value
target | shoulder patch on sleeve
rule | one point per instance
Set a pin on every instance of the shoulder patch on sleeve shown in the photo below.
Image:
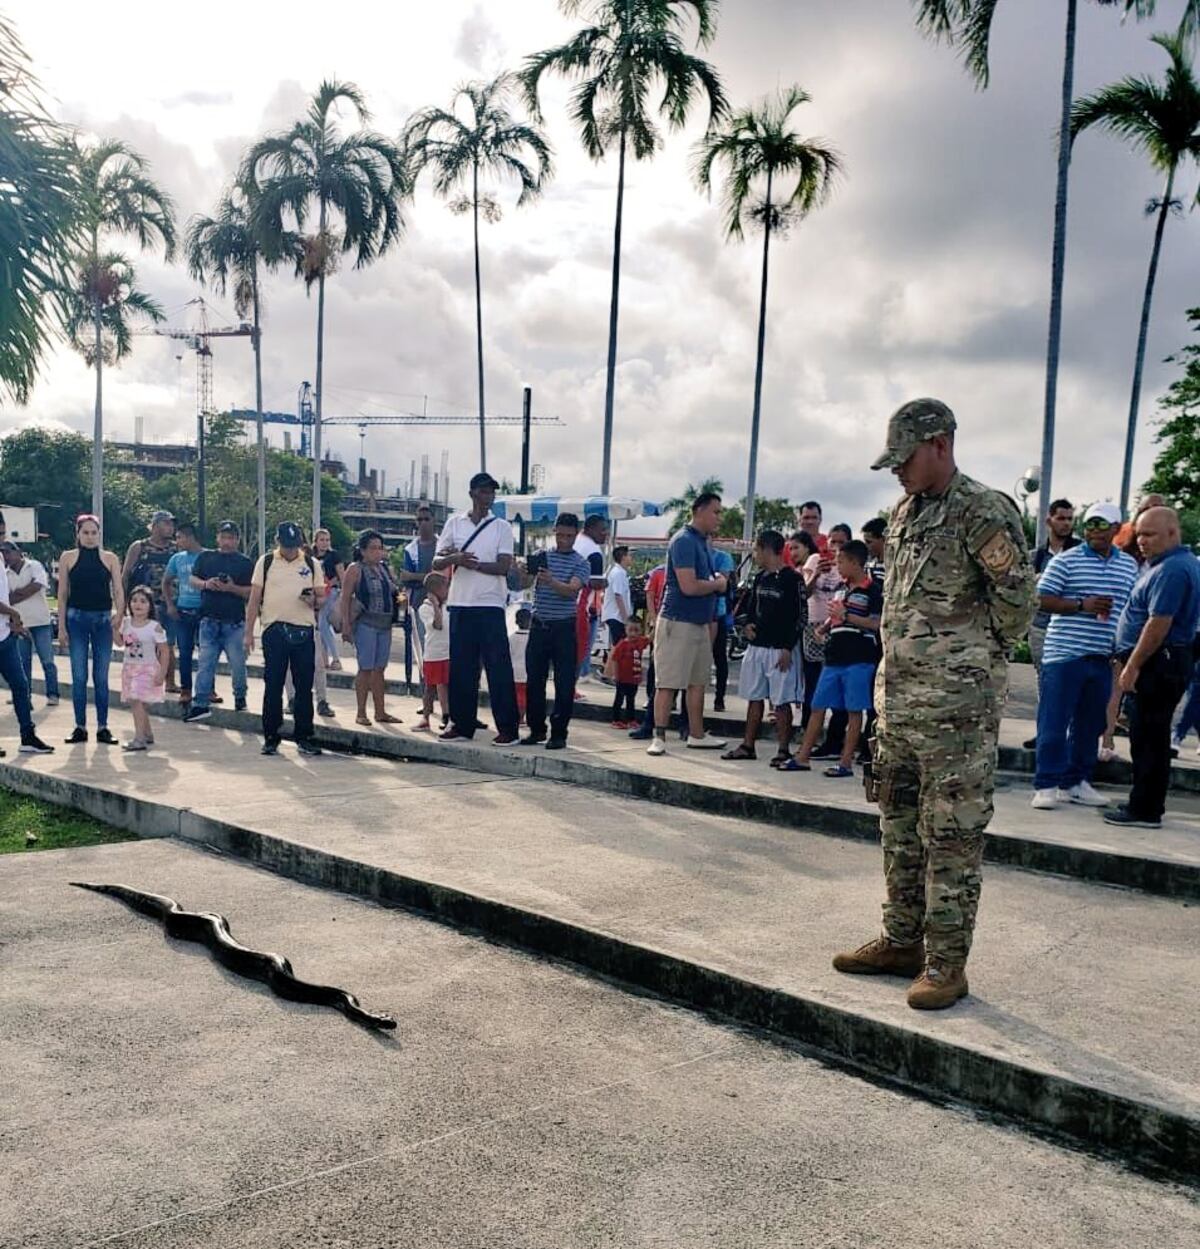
(998, 553)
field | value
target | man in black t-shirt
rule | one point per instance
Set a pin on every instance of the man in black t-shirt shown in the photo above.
(851, 655)
(223, 579)
(772, 615)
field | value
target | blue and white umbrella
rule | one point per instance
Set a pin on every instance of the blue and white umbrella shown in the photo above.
(544, 509)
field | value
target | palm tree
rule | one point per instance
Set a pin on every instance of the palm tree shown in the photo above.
(756, 146)
(359, 177)
(968, 24)
(38, 228)
(491, 141)
(226, 247)
(117, 196)
(1161, 119)
(631, 47)
(681, 504)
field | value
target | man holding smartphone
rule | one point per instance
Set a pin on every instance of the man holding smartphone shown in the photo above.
(223, 579)
(286, 587)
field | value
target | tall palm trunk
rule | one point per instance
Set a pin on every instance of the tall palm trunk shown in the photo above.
(479, 320)
(258, 415)
(611, 380)
(1143, 331)
(752, 475)
(1057, 267)
(98, 428)
(316, 481)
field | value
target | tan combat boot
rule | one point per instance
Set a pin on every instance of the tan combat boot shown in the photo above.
(938, 987)
(881, 958)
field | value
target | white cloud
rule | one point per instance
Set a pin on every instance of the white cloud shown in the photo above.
(927, 273)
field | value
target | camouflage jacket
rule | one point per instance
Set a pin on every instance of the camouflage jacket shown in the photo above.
(958, 592)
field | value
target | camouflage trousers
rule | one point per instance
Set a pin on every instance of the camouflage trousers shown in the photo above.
(935, 801)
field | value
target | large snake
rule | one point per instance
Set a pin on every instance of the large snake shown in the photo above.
(213, 931)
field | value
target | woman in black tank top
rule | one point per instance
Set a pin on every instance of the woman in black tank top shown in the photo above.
(90, 606)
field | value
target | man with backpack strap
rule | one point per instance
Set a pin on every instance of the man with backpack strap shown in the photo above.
(477, 548)
(286, 586)
(223, 579)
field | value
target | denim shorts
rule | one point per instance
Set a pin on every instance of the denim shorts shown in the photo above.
(848, 688)
(372, 647)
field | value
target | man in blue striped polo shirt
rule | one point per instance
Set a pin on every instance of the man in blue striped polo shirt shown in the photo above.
(558, 576)
(1085, 590)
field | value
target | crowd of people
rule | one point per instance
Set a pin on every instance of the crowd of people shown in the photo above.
(808, 611)
(890, 647)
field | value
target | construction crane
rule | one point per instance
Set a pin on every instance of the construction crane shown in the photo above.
(199, 340)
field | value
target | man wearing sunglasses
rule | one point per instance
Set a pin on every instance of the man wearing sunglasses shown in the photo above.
(1084, 590)
(1155, 637)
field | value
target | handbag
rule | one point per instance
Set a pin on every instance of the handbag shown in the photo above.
(814, 647)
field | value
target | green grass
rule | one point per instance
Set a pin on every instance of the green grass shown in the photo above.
(56, 828)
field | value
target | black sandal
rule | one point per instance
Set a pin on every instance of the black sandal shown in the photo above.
(740, 751)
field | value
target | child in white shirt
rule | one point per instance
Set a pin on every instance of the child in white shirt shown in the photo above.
(517, 644)
(436, 655)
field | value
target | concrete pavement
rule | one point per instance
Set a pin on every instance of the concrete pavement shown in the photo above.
(154, 1100)
(1081, 995)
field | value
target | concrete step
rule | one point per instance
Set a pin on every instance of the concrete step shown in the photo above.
(1072, 841)
(1082, 1019)
(1016, 729)
(152, 1098)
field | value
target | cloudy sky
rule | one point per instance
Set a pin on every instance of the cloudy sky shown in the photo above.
(926, 274)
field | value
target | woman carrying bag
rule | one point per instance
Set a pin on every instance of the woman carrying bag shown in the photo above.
(368, 601)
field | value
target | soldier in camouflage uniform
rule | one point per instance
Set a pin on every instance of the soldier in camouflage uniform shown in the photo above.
(959, 590)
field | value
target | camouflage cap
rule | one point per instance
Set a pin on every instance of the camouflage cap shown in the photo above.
(912, 424)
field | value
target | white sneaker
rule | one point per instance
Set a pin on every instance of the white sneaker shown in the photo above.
(1045, 800)
(706, 742)
(1086, 796)
(657, 747)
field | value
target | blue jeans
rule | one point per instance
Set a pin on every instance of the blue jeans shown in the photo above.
(13, 672)
(585, 668)
(1072, 708)
(1190, 717)
(94, 630)
(187, 626)
(41, 639)
(217, 636)
(325, 621)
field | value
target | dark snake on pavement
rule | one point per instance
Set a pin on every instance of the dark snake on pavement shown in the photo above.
(212, 930)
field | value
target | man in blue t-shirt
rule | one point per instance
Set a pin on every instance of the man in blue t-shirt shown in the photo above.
(686, 623)
(1155, 636)
(182, 601)
(558, 577)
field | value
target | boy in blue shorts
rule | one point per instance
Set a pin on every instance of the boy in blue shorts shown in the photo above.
(851, 655)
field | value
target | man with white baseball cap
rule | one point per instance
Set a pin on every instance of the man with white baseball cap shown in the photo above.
(1085, 590)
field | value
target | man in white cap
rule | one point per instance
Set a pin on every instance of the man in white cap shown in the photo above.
(1084, 589)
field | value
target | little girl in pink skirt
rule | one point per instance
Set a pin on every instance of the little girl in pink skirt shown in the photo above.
(145, 668)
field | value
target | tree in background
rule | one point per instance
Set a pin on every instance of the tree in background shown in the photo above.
(490, 142)
(358, 179)
(117, 196)
(967, 24)
(631, 48)
(1176, 473)
(759, 150)
(38, 220)
(1161, 119)
(768, 514)
(226, 248)
(232, 494)
(51, 471)
(681, 504)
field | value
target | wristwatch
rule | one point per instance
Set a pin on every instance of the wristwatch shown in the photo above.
(1079, 607)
